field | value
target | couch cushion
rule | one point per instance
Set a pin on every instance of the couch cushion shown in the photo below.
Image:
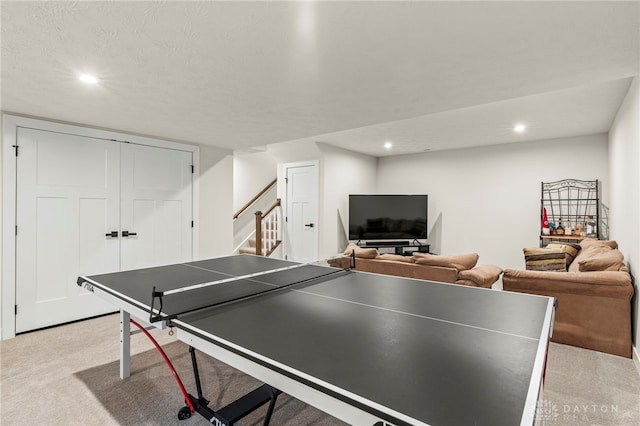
(612, 260)
(545, 259)
(589, 251)
(570, 250)
(396, 257)
(588, 242)
(460, 262)
(364, 253)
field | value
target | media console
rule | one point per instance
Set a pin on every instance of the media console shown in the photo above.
(405, 248)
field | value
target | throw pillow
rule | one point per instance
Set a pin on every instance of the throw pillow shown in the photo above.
(396, 257)
(460, 262)
(545, 259)
(363, 253)
(609, 261)
(569, 249)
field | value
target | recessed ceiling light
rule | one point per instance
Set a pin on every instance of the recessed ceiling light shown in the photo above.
(519, 128)
(388, 145)
(88, 78)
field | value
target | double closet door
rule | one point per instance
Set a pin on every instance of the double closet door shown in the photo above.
(89, 206)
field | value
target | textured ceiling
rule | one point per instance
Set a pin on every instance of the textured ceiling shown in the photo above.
(425, 75)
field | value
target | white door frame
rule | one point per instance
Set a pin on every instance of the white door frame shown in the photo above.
(282, 191)
(10, 125)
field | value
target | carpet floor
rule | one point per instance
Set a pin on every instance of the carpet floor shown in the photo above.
(69, 375)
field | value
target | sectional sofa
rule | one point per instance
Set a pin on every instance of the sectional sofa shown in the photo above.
(456, 269)
(593, 290)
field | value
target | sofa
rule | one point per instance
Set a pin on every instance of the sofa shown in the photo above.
(593, 289)
(456, 269)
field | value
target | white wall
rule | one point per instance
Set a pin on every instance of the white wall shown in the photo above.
(487, 200)
(251, 173)
(294, 152)
(216, 202)
(343, 173)
(624, 160)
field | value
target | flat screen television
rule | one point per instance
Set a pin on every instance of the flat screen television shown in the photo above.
(387, 217)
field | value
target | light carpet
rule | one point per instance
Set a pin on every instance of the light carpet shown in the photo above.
(69, 375)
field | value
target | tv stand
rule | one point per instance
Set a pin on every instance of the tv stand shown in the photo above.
(405, 248)
(386, 243)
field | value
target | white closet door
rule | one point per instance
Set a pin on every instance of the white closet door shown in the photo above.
(156, 206)
(302, 212)
(67, 200)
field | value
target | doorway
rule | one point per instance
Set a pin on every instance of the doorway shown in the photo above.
(88, 204)
(302, 224)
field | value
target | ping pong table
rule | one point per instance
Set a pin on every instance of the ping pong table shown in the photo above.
(368, 349)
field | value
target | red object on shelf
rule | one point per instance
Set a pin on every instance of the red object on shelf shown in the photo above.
(545, 220)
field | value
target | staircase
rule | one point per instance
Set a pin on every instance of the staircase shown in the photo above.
(264, 235)
(267, 235)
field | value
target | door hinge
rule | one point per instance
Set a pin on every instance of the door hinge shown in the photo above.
(192, 224)
(286, 219)
(16, 229)
(193, 169)
(286, 180)
(16, 147)
(16, 309)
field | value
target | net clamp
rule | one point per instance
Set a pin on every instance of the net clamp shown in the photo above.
(155, 318)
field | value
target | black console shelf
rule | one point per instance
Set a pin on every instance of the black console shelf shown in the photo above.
(405, 248)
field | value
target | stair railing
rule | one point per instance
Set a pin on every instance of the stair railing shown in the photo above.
(254, 199)
(268, 229)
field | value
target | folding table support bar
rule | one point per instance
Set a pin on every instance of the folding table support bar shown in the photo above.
(236, 410)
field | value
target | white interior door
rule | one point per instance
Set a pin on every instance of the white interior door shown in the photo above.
(302, 212)
(67, 201)
(72, 193)
(156, 206)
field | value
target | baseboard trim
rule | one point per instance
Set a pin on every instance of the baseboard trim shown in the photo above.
(636, 358)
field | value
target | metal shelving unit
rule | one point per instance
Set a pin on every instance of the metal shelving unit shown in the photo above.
(574, 204)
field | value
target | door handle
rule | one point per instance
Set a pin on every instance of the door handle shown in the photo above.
(128, 234)
(309, 225)
(112, 234)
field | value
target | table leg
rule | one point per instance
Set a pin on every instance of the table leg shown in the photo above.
(125, 344)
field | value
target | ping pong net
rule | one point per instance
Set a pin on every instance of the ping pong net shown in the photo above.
(173, 303)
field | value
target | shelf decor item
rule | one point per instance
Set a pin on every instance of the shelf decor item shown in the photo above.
(545, 222)
(569, 210)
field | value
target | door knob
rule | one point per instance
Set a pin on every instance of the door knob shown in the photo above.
(112, 234)
(128, 234)
(309, 225)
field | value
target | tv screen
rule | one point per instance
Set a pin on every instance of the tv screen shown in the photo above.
(387, 217)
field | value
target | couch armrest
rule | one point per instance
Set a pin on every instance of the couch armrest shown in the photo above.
(482, 276)
(342, 262)
(615, 284)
